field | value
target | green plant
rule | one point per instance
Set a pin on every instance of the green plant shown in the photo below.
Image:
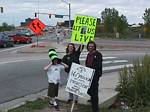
(134, 84)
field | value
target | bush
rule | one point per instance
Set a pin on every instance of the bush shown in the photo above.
(134, 84)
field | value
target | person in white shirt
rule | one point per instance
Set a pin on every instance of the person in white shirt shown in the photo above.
(53, 72)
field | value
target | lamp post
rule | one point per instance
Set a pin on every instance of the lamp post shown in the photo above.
(69, 4)
(38, 8)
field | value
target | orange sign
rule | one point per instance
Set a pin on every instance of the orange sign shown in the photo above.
(36, 26)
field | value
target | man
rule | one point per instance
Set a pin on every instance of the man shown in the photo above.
(94, 61)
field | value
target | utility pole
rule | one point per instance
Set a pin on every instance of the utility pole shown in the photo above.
(38, 9)
(69, 4)
(69, 19)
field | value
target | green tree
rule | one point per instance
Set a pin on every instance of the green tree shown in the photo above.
(122, 24)
(6, 27)
(146, 18)
(113, 22)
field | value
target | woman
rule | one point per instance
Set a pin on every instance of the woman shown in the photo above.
(72, 56)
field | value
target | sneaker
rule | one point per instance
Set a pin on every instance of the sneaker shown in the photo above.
(50, 104)
(56, 108)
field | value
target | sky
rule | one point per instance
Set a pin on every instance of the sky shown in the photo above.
(16, 11)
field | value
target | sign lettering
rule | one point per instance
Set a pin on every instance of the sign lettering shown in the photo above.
(83, 29)
(80, 79)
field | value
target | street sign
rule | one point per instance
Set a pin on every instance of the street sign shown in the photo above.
(36, 26)
(83, 29)
(58, 16)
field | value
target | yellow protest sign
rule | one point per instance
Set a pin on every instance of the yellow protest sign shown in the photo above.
(83, 29)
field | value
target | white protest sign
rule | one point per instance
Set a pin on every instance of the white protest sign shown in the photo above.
(80, 79)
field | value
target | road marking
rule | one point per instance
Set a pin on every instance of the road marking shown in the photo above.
(116, 67)
(115, 61)
(14, 48)
(22, 60)
(104, 58)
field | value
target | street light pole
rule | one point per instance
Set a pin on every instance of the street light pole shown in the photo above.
(69, 15)
(38, 8)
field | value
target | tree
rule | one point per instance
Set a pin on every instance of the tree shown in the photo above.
(6, 27)
(122, 24)
(113, 22)
(146, 18)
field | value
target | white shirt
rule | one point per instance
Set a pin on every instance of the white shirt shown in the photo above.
(53, 73)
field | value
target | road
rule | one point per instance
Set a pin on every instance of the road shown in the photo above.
(22, 73)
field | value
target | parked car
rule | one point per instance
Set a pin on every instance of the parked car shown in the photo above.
(6, 41)
(21, 39)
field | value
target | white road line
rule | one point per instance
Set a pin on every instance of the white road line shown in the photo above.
(14, 48)
(116, 67)
(104, 58)
(22, 60)
(31, 59)
(104, 68)
(115, 61)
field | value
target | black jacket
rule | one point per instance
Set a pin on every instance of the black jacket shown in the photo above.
(97, 65)
(70, 58)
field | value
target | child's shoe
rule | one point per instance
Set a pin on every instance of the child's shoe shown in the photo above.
(56, 107)
(50, 104)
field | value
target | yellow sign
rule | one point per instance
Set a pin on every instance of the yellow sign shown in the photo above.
(83, 29)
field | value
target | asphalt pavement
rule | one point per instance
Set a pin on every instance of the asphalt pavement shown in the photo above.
(107, 82)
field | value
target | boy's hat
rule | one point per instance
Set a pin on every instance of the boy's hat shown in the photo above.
(52, 54)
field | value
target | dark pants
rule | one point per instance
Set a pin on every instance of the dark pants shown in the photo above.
(93, 92)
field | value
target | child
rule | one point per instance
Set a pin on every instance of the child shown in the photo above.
(53, 72)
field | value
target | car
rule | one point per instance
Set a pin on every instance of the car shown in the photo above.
(6, 41)
(21, 39)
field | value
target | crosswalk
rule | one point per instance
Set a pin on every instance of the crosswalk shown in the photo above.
(110, 63)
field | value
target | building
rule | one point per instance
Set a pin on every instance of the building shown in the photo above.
(27, 21)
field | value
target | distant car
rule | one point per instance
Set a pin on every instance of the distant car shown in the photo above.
(6, 41)
(21, 39)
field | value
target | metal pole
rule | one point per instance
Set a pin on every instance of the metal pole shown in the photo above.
(69, 16)
(69, 20)
(38, 9)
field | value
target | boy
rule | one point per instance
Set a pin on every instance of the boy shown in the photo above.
(53, 72)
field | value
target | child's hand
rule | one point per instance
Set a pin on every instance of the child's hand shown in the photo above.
(46, 68)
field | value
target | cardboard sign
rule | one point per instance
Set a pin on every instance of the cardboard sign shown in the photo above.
(83, 29)
(80, 79)
(36, 26)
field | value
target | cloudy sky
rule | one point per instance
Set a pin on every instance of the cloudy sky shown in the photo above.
(16, 11)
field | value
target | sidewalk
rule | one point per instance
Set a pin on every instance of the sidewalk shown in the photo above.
(107, 82)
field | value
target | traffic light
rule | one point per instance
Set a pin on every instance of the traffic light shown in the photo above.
(49, 15)
(1, 9)
(35, 15)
